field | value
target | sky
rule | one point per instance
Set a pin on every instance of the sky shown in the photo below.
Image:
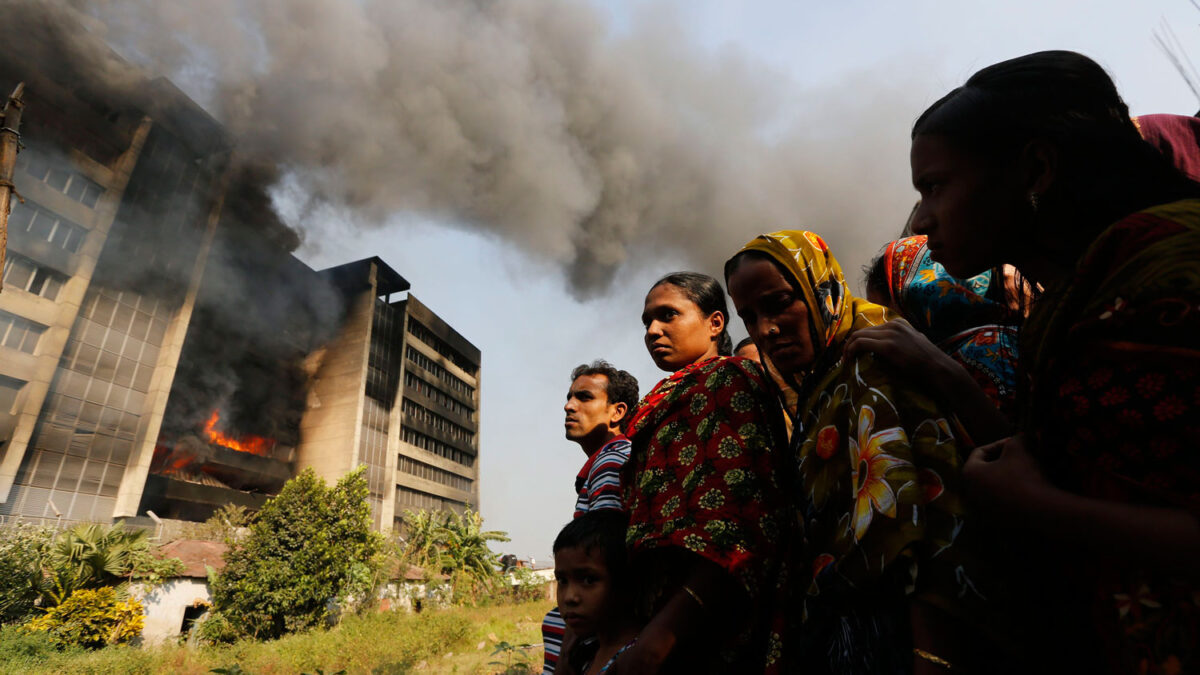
(850, 70)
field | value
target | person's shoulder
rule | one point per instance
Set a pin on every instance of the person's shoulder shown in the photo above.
(735, 367)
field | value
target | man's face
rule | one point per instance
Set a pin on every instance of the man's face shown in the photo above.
(585, 592)
(588, 412)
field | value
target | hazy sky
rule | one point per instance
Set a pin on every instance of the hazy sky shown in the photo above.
(850, 70)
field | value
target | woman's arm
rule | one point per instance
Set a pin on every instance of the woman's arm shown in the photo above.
(1003, 478)
(710, 602)
(911, 355)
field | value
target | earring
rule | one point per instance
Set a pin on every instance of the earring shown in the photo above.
(1033, 201)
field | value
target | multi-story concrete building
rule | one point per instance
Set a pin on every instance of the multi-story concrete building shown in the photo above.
(91, 340)
(160, 352)
(398, 391)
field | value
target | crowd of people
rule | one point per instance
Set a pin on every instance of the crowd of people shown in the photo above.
(981, 467)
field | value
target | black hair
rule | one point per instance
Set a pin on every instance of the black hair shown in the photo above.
(1105, 170)
(622, 387)
(708, 295)
(745, 342)
(602, 530)
(875, 281)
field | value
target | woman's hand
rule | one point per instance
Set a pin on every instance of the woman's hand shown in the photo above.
(643, 657)
(909, 355)
(1003, 477)
(903, 348)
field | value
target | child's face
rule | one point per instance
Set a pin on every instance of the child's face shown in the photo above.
(585, 593)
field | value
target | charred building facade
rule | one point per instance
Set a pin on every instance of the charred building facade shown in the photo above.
(162, 351)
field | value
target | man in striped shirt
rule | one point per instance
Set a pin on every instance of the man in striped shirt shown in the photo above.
(600, 400)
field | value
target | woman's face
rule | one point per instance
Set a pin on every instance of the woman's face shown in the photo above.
(774, 313)
(970, 211)
(678, 334)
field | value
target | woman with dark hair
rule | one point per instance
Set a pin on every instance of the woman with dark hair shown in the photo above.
(882, 583)
(701, 490)
(1035, 162)
(968, 320)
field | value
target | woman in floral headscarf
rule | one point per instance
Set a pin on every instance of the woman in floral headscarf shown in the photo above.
(969, 320)
(880, 572)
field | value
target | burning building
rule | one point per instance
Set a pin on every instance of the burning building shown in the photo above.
(162, 351)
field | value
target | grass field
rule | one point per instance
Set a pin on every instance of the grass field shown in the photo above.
(455, 640)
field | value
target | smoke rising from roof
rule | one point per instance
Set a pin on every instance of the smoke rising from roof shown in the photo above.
(534, 121)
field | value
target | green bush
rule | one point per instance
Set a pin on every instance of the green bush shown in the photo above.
(309, 549)
(22, 581)
(18, 646)
(91, 618)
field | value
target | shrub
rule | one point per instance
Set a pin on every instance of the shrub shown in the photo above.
(91, 618)
(21, 579)
(18, 645)
(309, 548)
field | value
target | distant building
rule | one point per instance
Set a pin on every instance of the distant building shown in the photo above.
(412, 383)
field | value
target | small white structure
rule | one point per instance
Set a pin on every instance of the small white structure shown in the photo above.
(173, 606)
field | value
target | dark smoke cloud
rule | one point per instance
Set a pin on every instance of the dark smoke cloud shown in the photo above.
(533, 121)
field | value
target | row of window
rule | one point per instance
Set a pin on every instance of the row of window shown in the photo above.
(46, 225)
(19, 333)
(23, 273)
(434, 367)
(412, 467)
(420, 413)
(414, 383)
(409, 499)
(422, 333)
(420, 440)
(71, 183)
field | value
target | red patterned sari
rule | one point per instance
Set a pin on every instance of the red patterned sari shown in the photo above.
(702, 478)
(1113, 406)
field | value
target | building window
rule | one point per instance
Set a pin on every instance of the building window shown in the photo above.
(9, 388)
(414, 383)
(43, 224)
(426, 416)
(71, 183)
(21, 272)
(412, 467)
(429, 444)
(422, 333)
(416, 500)
(441, 373)
(18, 333)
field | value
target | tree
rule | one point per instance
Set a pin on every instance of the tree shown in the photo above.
(454, 545)
(310, 548)
(94, 556)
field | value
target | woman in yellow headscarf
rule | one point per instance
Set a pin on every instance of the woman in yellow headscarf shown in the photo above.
(878, 570)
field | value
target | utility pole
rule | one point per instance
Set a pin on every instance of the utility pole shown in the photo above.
(10, 143)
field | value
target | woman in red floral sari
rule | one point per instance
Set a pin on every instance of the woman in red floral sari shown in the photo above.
(1034, 162)
(701, 490)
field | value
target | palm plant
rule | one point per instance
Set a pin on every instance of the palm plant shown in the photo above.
(452, 544)
(466, 546)
(91, 556)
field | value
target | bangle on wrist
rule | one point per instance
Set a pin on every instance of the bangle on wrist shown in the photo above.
(932, 658)
(695, 596)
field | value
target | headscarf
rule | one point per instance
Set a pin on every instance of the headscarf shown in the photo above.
(837, 312)
(956, 314)
(877, 483)
(1177, 137)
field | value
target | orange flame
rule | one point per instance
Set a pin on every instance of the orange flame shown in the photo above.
(255, 445)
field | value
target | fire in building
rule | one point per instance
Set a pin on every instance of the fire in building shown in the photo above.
(162, 351)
